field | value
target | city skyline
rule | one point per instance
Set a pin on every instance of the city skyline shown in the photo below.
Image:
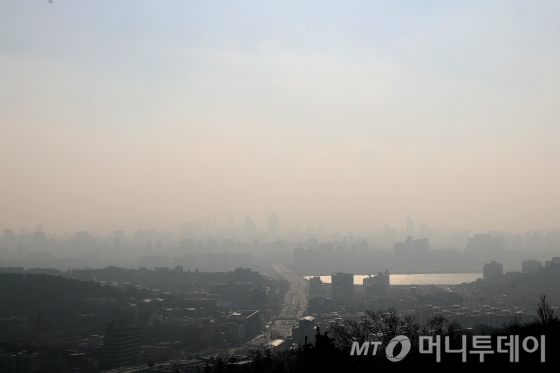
(247, 226)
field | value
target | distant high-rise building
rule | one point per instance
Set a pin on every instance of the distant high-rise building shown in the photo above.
(20, 252)
(527, 240)
(377, 285)
(381, 278)
(421, 247)
(410, 231)
(273, 224)
(403, 249)
(485, 243)
(227, 245)
(337, 293)
(250, 229)
(517, 242)
(342, 285)
(537, 240)
(492, 271)
(122, 344)
(150, 234)
(9, 236)
(82, 236)
(530, 265)
(412, 248)
(552, 241)
(39, 228)
(389, 236)
(39, 237)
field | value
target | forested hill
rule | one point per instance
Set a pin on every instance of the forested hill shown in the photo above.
(58, 298)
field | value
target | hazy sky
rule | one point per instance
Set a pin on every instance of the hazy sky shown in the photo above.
(348, 115)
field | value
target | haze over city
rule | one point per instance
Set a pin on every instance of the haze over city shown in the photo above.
(345, 116)
(279, 187)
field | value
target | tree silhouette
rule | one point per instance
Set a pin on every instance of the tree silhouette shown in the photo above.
(545, 312)
(258, 361)
(383, 325)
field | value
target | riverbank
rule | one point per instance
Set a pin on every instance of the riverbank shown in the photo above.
(418, 279)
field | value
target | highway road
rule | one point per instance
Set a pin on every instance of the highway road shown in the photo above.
(293, 308)
(295, 302)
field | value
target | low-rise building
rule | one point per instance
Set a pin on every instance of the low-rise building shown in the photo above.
(251, 319)
(305, 330)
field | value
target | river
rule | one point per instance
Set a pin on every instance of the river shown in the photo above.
(418, 279)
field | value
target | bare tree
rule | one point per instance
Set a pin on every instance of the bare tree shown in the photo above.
(545, 312)
(374, 324)
(435, 325)
(439, 325)
(386, 323)
(411, 328)
(345, 332)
